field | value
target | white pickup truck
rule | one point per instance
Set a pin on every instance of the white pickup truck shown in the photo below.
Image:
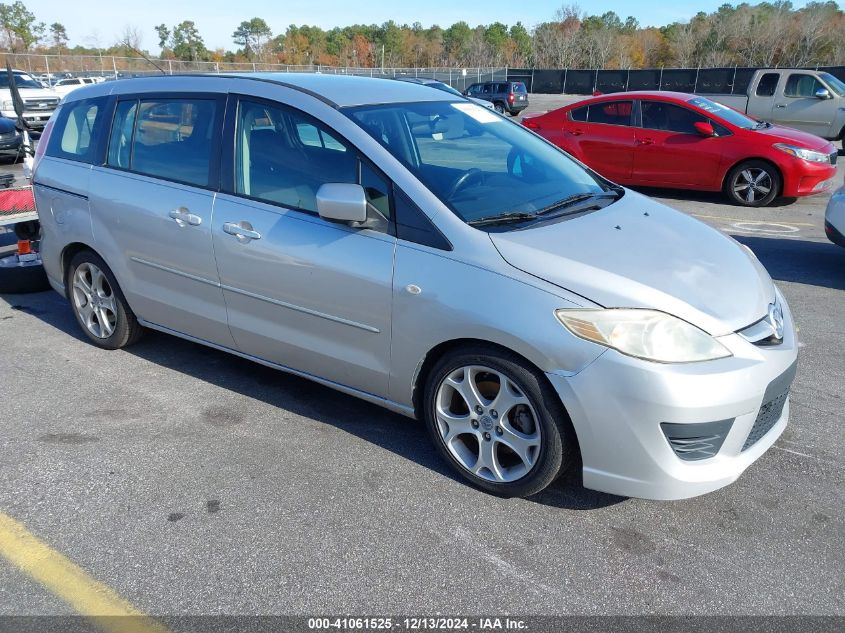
(38, 101)
(809, 100)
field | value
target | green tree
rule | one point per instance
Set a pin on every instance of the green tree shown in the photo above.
(19, 26)
(521, 44)
(456, 40)
(187, 44)
(58, 34)
(252, 35)
(163, 36)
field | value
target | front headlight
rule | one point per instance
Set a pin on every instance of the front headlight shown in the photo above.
(646, 334)
(802, 153)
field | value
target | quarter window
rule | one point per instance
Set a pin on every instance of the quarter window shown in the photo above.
(658, 115)
(76, 130)
(801, 85)
(168, 138)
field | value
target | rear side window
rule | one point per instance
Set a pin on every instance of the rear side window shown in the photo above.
(77, 129)
(167, 138)
(801, 85)
(768, 84)
(610, 113)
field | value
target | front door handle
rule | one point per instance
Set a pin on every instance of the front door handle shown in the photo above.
(576, 132)
(645, 141)
(184, 217)
(241, 230)
(781, 105)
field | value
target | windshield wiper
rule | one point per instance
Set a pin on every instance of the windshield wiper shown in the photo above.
(574, 199)
(519, 216)
(503, 218)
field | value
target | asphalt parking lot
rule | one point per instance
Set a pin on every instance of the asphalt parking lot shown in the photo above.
(189, 481)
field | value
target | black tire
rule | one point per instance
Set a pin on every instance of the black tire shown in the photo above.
(127, 330)
(499, 107)
(558, 451)
(514, 112)
(21, 278)
(737, 186)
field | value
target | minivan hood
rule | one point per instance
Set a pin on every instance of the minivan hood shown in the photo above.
(637, 253)
(781, 134)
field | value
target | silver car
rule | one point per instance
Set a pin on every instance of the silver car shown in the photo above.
(422, 253)
(834, 218)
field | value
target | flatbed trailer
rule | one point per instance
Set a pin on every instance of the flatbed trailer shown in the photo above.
(20, 266)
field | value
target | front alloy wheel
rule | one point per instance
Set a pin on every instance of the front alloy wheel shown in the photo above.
(487, 424)
(497, 421)
(753, 184)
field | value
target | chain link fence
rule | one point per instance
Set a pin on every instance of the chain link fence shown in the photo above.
(119, 67)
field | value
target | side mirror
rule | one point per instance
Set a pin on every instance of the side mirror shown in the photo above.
(822, 93)
(342, 202)
(703, 128)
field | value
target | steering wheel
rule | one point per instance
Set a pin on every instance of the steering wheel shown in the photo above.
(463, 179)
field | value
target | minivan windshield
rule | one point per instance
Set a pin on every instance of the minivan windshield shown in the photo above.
(482, 166)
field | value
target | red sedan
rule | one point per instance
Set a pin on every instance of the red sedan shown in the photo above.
(684, 141)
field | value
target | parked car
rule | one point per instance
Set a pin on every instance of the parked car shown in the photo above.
(670, 139)
(439, 85)
(39, 102)
(64, 86)
(506, 96)
(422, 253)
(808, 100)
(834, 218)
(10, 139)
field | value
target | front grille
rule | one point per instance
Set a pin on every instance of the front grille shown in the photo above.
(768, 415)
(773, 401)
(45, 103)
(8, 136)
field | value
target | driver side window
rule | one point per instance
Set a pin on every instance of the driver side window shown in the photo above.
(801, 85)
(283, 156)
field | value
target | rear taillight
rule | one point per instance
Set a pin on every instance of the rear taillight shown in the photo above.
(41, 148)
(510, 97)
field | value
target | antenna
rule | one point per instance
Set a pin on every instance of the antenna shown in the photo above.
(147, 59)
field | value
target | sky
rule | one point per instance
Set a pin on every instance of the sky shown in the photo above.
(100, 22)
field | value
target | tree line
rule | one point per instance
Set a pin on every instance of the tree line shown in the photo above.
(763, 34)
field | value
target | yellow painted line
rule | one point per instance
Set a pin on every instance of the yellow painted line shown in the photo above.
(721, 217)
(70, 582)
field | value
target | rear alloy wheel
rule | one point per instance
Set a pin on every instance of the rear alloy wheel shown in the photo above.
(497, 422)
(499, 107)
(98, 304)
(753, 184)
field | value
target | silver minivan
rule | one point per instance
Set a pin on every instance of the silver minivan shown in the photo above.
(414, 249)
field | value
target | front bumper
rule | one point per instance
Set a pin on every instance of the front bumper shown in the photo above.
(617, 405)
(803, 178)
